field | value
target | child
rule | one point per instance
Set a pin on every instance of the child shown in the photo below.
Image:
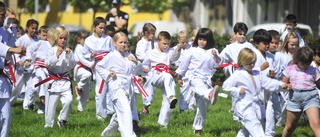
(316, 57)
(109, 30)
(5, 84)
(304, 96)
(276, 101)
(199, 62)
(20, 31)
(156, 65)
(186, 99)
(230, 53)
(98, 46)
(147, 43)
(291, 24)
(23, 73)
(36, 54)
(245, 85)
(59, 61)
(82, 71)
(116, 69)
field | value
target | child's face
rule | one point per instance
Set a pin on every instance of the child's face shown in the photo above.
(164, 44)
(303, 65)
(273, 45)
(127, 47)
(240, 36)
(262, 46)
(32, 29)
(99, 29)
(183, 42)
(19, 33)
(110, 33)
(43, 35)
(150, 36)
(316, 59)
(62, 39)
(81, 41)
(293, 44)
(202, 42)
(120, 44)
(290, 26)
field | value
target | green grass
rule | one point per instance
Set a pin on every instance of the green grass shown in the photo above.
(219, 122)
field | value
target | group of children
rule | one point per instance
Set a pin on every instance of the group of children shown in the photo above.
(269, 82)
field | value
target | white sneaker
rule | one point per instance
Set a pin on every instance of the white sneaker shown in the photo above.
(40, 111)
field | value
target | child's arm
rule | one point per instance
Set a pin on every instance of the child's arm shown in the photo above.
(102, 68)
(230, 86)
(176, 53)
(264, 66)
(216, 57)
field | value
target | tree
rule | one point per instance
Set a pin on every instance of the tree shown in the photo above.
(96, 5)
(157, 6)
(28, 5)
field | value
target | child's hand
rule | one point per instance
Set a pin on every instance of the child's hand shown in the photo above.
(93, 54)
(264, 66)
(140, 80)
(28, 64)
(286, 86)
(145, 70)
(112, 74)
(180, 82)
(21, 63)
(242, 90)
(67, 50)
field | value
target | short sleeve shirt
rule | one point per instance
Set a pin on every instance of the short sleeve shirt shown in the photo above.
(121, 15)
(302, 79)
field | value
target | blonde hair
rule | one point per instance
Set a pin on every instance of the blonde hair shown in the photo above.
(183, 34)
(164, 35)
(50, 36)
(284, 46)
(58, 31)
(193, 35)
(246, 56)
(117, 36)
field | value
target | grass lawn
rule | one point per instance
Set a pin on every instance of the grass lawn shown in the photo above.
(219, 122)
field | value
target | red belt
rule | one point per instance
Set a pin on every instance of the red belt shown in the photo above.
(82, 66)
(40, 63)
(228, 64)
(162, 67)
(139, 86)
(23, 54)
(100, 56)
(53, 76)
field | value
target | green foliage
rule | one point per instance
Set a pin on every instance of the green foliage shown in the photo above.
(29, 5)
(96, 5)
(312, 40)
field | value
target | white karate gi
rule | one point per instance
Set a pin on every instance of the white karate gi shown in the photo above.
(99, 45)
(83, 76)
(200, 64)
(162, 80)
(5, 91)
(58, 89)
(23, 74)
(248, 108)
(143, 46)
(120, 88)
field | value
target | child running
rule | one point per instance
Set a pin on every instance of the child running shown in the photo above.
(304, 96)
(199, 62)
(245, 85)
(116, 69)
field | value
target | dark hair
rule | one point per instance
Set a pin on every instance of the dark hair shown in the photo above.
(43, 29)
(31, 22)
(164, 35)
(274, 34)
(82, 34)
(207, 34)
(20, 28)
(98, 20)
(240, 26)
(316, 51)
(12, 21)
(261, 35)
(304, 55)
(291, 18)
(109, 28)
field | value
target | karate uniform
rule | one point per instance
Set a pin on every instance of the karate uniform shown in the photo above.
(99, 45)
(162, 80)
(248, 107)
(143, 46)
(23, 74)
(120, 88)
(59, 89)
(83, 76)
(200, 64)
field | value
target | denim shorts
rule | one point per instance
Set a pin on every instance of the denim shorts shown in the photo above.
(302, 100)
